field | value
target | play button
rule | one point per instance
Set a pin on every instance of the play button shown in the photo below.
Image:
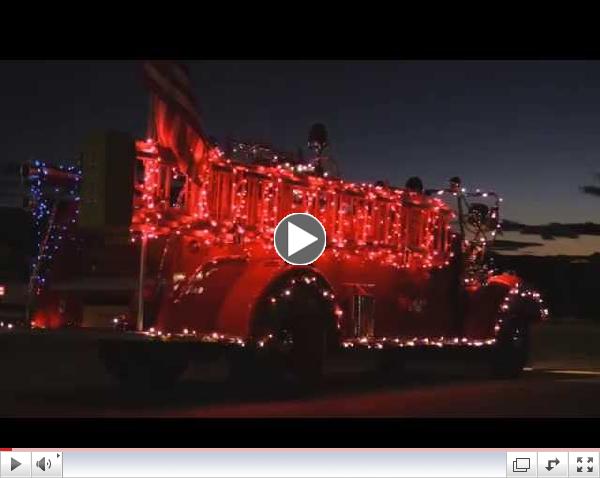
(299, 239)
(15, 463)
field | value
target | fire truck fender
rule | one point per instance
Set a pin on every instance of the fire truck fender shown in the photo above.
(518, 308)
(500, 305)
(519, 303)
(282, 290)
(240, 307)
(236, 311)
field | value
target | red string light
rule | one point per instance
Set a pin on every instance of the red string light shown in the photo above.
(238, 202)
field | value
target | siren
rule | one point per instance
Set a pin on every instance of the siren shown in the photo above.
(455, 184)
(318, 138)
(415, 185)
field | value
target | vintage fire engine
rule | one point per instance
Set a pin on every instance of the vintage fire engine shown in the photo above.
(394, 276)
(178, 265)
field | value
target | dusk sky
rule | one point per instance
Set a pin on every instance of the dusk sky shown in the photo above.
(528, 129)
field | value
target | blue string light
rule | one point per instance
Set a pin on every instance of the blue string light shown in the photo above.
(46, 198)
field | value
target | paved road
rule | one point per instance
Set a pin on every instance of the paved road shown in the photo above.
(56, 380)
(421, 393)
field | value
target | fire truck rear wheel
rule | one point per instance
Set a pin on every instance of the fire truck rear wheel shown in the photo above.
(301, 330)
(299, 365)
(511, 352)
(145, 365)
(306, 357)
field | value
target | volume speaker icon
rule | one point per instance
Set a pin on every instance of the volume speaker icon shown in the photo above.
(43, 464)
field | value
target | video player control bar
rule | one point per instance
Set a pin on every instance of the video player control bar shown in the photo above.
(297, 463)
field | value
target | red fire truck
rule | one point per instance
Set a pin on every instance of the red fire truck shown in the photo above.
(178, 265)
(394, 275)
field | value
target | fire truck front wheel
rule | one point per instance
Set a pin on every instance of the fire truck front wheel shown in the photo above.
(511, 352)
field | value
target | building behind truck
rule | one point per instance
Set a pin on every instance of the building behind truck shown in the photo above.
(91, 275)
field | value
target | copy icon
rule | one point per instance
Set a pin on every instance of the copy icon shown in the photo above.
(521, 465)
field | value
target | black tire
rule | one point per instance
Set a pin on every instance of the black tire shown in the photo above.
(301, 329)
(144, 365)
(305, 360)
(511, 352)
(298, 365)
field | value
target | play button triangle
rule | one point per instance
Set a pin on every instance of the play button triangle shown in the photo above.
(298, 239)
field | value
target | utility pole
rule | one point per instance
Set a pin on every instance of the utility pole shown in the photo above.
(140, 307)
(150, 133)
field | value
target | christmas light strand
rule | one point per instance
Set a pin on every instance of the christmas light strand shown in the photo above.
(50, 188)
(238, 203)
